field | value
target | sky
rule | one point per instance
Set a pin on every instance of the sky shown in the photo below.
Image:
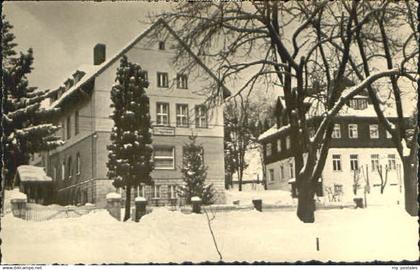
(63, 34)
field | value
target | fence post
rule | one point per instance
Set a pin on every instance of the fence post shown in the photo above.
(257, 204)
(140, 203)
(19, 207)
(196, 204)
(113, 205)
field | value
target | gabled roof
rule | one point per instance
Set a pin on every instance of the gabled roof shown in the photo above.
(97, 70)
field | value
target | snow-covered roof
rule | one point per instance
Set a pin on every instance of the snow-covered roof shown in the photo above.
(368, 112)
(29, 173)
(273, 131)
(94, 70)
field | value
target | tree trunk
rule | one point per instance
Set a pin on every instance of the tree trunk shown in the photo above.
(240, 180)
(127, 203)
(306, 202)
(410, 186)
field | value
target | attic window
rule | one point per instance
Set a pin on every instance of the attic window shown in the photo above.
(161, 45)
(358, 104)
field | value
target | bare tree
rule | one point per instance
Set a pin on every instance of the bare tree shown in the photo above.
(291, 47)
(384, 178)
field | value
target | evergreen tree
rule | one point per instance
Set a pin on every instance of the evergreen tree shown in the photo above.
(25, 124)
(130, 154)
(194, 173)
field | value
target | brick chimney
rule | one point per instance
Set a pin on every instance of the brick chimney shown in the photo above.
(99, 54)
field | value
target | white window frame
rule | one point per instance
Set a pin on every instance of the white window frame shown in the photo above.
(78, 164)
(156, 191)
(201, 116)
(182, 115)
(336, 159)
(63, 170)
(336, 131)
(162, 79)
(172, 157)
(353, 131)
(374, 162)
(70, 165)
(160, 114)
(278, 145)
(268, 149)
(392, 162)
(172, 191)
(141, 191)
(181, 81)
(55, 173)
(292, 170)
(288, 142)
(374, 131)
(354, 162)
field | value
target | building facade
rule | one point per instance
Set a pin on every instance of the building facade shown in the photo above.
(361, 151)
(177, 109)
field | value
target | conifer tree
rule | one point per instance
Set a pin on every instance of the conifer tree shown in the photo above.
(25, 124)
(130, 153)
(194, 173)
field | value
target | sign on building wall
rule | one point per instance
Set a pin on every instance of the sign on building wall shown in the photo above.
(164, 131)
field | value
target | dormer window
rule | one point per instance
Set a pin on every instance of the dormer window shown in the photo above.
(358, 103)
(161, 45)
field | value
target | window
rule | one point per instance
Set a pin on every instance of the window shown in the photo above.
(278, 145)
(271, 175)
(358, 104)
(141, 191)
(200, 116)
(181, 81)
(162, 79)
(336, 134)
(68, 126)
(70, 171)
(388, 135)
(373, 131)
(182, 115)
(172, 192)
(288, 142)
(63, 130)
(281, 172)
(391, 162)
(162, 114)
(78, 164)
(76, 122)
(354, 162)
(161, 45)
(336, 162)
(268, 149)
(145, 75)
(374, 159)
(164, 157)
(156, 191)
(55, 173)
(292, 170)
(353, 131)
(63, 170)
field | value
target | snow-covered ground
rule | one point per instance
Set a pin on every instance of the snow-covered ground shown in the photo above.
(375, 233)
(245, 197)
